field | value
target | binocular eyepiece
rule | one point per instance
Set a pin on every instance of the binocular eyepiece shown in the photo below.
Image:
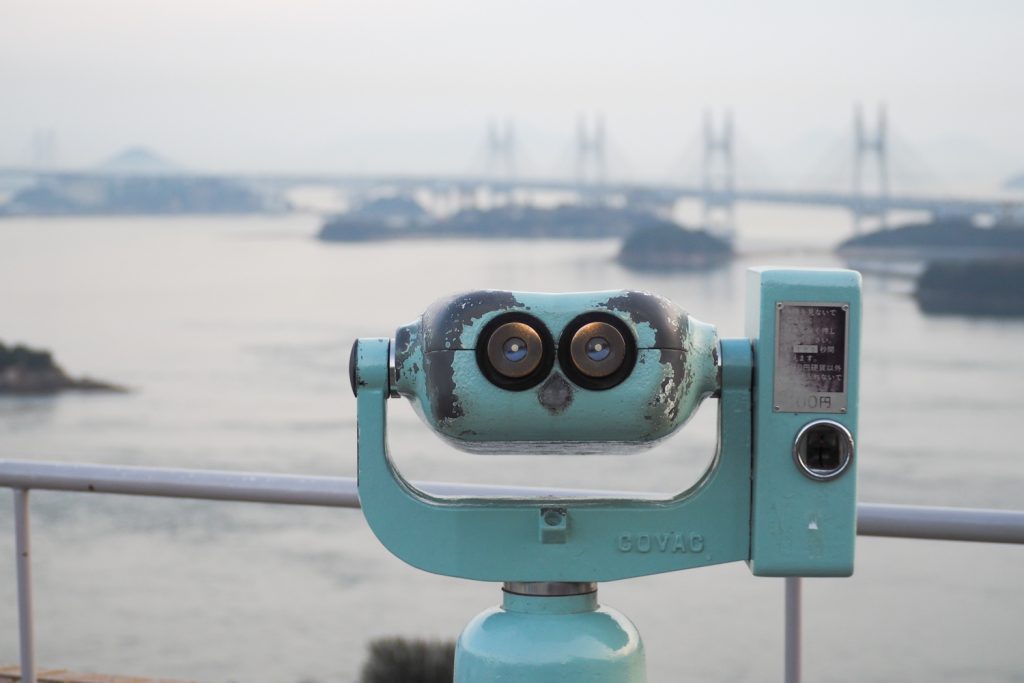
(516, 351)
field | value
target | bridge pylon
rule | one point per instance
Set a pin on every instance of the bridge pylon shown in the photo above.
(718, 173)
(867, 147)
(591, 152)
(44, 149)
(501, 151)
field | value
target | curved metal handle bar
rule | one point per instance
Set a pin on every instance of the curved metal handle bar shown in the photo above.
(551, 539)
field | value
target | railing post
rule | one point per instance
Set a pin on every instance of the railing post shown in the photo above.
(24, 568)
(793, 616)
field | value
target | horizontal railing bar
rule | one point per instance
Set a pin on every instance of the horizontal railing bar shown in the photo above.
(940, 523)
(894, 521)
(250, 487)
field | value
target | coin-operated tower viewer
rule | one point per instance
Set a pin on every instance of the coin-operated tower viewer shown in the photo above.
(614, 372)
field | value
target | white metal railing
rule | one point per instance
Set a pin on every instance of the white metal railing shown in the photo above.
(893, 521)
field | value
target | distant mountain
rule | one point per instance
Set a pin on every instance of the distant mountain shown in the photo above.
(1015, 183)
(139, 161)
(134, 194)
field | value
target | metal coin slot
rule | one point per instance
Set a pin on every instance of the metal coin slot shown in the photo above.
(823, 449)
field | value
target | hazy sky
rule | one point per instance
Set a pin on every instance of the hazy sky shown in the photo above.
(408, 85)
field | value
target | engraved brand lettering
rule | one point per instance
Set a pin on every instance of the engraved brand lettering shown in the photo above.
(660, 542)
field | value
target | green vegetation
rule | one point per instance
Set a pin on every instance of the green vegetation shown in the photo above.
(399, 660)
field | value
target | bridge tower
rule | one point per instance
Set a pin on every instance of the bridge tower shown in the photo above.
(591, 148)
(501, 151)
(869, 146)
(44, 149)
(718, 170)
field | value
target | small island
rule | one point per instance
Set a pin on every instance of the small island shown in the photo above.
(27, 371)
(667, 246)
(101, 195)
(993, 287)
(375, 222)
(951, 239)
(568, 221)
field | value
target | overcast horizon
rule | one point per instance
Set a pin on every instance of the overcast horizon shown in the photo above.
(403, 87)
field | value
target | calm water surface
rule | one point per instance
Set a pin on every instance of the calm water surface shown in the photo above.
(234, 334)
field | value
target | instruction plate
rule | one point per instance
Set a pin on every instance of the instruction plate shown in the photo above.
(810, 357)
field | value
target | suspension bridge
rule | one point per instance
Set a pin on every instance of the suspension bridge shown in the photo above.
(870, 199)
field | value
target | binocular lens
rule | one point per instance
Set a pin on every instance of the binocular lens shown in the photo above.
(597, 350)
(514, 350)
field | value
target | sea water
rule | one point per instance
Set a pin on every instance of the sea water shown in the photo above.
(233, 335)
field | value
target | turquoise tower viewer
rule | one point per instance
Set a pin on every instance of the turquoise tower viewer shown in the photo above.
(511, 372)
